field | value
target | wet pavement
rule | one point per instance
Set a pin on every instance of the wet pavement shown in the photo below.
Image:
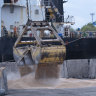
(54, 92)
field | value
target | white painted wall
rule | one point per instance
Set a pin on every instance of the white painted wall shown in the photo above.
(31, 2)
(19, 15)
(37, 17)
(21, 3)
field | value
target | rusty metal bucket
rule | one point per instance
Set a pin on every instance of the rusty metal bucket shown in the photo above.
(46, 59)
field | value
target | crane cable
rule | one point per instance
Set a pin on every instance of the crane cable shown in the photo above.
(27, 9)
(30, 8)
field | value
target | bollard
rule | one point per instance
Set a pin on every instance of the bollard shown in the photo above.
(3, 82)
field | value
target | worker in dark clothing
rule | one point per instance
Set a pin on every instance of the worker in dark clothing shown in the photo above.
(5, 32)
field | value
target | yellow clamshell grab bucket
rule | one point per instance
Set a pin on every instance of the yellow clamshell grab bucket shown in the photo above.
(40, 52)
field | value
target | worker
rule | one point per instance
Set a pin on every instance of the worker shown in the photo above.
(15, 31)
(2, 34)
(12, 32)
(4, 31)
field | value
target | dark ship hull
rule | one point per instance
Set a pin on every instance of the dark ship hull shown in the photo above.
(83, 48)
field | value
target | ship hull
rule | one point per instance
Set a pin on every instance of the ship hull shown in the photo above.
(84, 48)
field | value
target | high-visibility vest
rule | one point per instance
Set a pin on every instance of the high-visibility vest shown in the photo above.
(15, 29)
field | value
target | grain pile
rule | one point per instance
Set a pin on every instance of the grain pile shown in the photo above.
(28, 82)
(47, 71)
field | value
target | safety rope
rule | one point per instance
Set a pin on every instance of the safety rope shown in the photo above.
(72, 41)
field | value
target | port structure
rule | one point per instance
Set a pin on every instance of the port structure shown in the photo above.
(92, 16)
(55, 13)
(52, 12)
